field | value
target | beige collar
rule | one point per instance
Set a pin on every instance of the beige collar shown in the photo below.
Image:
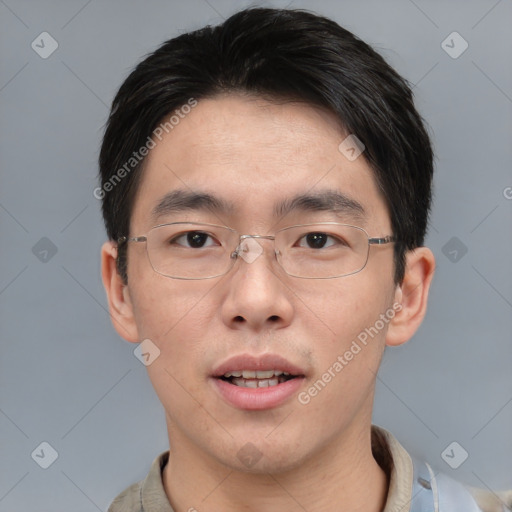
(149, 494)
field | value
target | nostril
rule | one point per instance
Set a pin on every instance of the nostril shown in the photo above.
(239, 319)
(274, 318)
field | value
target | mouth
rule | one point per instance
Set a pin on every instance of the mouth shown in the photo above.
(256, 383)
(257, 378)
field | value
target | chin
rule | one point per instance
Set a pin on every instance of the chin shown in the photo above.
(259, 458)
(265, 466)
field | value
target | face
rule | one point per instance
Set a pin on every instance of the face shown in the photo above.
(254, 155)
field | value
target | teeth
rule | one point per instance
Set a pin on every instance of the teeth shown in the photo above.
(255, 383)
(233, 374)
(265, 374)
(255, 374)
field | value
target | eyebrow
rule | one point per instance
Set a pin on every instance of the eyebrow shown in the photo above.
(326, 200)
(333, 201)
(183, 200)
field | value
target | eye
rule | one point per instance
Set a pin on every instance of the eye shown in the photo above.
(193, 239)
(319, 240)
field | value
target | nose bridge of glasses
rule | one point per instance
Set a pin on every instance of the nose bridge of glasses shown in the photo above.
(249, 249)
(268, 237)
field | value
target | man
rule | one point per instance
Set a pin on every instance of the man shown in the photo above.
(266, 186)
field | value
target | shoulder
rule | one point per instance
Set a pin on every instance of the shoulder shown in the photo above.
(415, 485)
(453, 496)
(487, 501)
(148, 494)
(490, 501)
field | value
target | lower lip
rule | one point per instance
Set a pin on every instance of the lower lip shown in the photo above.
(254, 399)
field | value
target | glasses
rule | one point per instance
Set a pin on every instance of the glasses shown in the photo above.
(193, 250)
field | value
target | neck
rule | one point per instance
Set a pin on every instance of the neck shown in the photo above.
(342, 476)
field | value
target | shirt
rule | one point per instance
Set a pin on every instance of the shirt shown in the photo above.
(149, 495)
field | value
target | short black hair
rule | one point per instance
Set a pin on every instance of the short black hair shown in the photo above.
(276, 54)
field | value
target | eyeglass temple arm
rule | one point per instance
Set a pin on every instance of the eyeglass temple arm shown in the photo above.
(374, 241)
(383, 240)
(123, 239)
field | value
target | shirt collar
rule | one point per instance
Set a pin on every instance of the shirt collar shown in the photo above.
(396, 462)
(388, 452)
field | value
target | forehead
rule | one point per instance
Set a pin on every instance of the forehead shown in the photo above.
(257, 159)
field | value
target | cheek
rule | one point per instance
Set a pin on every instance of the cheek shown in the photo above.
(167, 308)
(179, 317)
(176, 318)
(342, 308)
(349, 355)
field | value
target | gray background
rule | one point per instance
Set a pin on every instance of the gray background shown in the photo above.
(66, 377)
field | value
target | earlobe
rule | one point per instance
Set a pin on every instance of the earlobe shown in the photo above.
(412, 294)
(118, 296)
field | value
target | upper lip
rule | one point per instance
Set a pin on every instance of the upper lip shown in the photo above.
(260, 362)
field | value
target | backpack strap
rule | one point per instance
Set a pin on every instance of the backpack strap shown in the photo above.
(438, 493)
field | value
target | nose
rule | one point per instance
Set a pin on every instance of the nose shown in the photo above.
(258, 296)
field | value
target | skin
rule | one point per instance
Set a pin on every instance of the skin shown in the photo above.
(315, 456)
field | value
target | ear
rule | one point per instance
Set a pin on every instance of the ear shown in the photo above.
(118, 296)
(412, 294)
